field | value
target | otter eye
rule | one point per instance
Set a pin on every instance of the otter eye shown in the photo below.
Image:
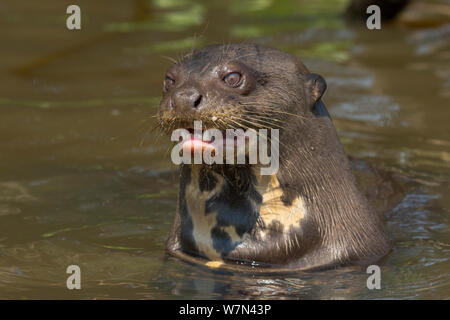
(168, 83)
(233, 79)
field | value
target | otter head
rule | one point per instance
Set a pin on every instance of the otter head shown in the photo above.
(238, 86)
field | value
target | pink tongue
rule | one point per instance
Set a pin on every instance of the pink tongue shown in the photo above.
(196, 144)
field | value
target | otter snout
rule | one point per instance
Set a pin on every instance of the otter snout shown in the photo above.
(187, 99)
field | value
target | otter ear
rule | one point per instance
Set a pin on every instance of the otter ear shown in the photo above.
(316, 86)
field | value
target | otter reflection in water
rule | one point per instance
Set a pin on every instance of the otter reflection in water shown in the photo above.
(308, 215)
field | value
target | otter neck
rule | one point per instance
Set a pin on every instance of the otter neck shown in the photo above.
(223, 209)
(316, 169)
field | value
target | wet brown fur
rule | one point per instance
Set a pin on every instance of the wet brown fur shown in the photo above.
(310, 214)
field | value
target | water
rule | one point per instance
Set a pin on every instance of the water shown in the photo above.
(83, 182)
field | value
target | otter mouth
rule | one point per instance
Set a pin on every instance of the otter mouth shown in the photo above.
(223, 142)
(198, 143)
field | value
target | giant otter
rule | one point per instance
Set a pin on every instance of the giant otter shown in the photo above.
(310, 214)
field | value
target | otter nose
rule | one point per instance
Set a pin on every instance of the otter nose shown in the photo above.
(186, 99)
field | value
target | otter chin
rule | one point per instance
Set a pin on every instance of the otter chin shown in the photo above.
(308, 215)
